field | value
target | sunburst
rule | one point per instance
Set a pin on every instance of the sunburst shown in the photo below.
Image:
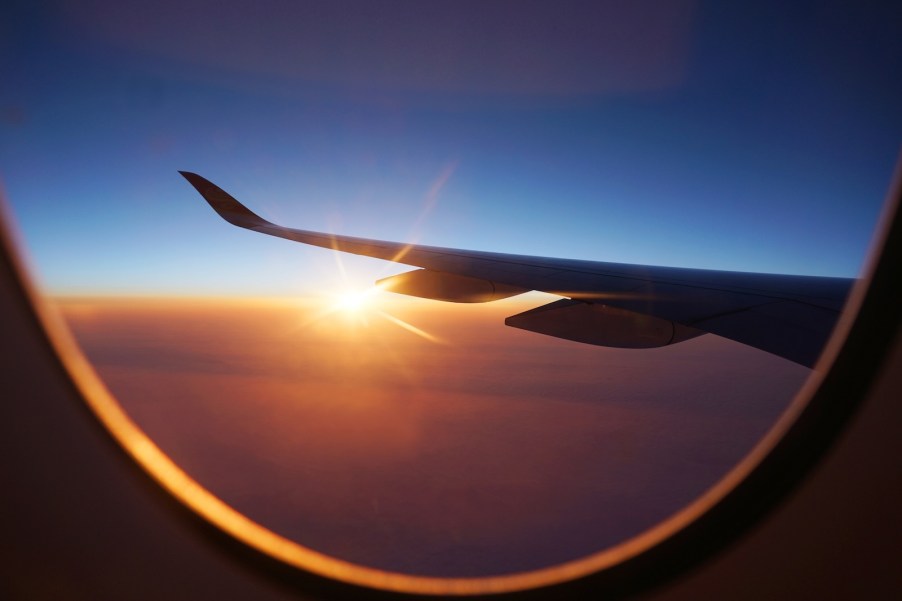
(359, 304)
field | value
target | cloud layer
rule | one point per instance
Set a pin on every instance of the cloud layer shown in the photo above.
(496, 451)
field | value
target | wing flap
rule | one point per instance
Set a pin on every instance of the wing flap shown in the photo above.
(438, 285)
(601, 325)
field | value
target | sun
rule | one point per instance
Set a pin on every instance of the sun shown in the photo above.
(353, 301)
(358, 306)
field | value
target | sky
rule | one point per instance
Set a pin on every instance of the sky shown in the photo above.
(757, 138)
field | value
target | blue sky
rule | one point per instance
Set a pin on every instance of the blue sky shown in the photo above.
(756, 138)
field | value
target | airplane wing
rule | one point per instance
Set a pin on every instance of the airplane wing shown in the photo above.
(608, 304)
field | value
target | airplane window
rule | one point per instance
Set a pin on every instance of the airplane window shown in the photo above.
(330, 406)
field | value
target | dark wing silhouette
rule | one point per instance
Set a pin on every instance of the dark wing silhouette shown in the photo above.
(609, 304)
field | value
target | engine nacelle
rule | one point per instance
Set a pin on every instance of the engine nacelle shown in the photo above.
(438, 285)
(601, 325)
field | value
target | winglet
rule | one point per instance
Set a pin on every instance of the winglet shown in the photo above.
(222, 202)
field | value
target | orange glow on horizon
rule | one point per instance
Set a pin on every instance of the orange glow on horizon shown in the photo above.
(358, 449)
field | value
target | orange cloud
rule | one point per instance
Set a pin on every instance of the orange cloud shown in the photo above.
(499, 451)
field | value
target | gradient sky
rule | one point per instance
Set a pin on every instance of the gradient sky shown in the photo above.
(757, 138)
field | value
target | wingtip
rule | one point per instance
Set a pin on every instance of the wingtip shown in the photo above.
(195, 179)
(222, 202)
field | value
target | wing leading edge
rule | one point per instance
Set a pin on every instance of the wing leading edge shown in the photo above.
(610, 304)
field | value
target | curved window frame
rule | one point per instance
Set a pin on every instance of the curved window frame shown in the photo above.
(778, 463)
